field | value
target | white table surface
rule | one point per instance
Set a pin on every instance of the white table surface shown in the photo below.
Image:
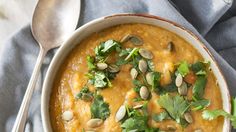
(14, 14)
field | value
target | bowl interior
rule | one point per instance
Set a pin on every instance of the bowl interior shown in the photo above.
(105, 22)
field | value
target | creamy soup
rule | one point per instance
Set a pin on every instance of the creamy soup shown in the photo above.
(134, 77)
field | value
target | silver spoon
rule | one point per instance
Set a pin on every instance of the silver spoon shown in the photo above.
(53, 21)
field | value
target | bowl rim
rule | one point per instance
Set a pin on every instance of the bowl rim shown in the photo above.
(45, 88)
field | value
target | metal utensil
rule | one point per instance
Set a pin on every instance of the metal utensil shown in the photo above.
(53, 21)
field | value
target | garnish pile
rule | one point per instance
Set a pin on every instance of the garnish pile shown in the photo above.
(146, 81)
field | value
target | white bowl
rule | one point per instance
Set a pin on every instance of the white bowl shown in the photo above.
(105, 22)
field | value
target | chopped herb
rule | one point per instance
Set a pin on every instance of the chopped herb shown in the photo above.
(200, 104)
(201, 72)
(213, 114)
(183, 68)
(125, 52)
(199, 87)
(174, 105)
(90, 63)
(85, 94)
(156, 77)
(132, 53)
(137, 120)
(106, 47)
(100, 79)
(99, 108)
(137, 85)
(161, 116)
(199, 66)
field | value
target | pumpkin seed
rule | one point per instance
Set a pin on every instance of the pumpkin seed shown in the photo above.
(188, 117)
(133, 73)
(135, 130)
(113, 68)
(87, 97)
(146, 53)
(138, 106)
(142, 65)
(94, 122)
(120, 114)
(125, 38)
(183, 89)
(67, 115)
(178, 80)
(101, 66)
(136, 40)
(149, 78)
(198, 130)
(171, 127)
(144, 93)
(170, 46)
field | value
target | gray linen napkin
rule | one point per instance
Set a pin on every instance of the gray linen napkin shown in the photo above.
(17, 59)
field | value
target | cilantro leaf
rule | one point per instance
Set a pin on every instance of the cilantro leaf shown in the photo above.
(85, 94)
(100, 79)
(104, 48)
(213, 114)
(183, 68)
(90, 63)
(110, 45)
(161, 116)
(156, 77)
(199, 87)
(200, 104)
(132, 53)
(174, 105)
(99, 108)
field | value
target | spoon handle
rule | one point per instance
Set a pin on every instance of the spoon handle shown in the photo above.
(21, 118)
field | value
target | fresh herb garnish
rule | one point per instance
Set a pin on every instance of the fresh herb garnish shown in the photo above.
(90, 63)
(199, 87)
(85, 94)
(161, 116)
(183, 68)
(100, 80)
(137, 120)
(99, 108)
(156, 77)
(174, 105)
(200, 104)
(213, 114)
(106, 47)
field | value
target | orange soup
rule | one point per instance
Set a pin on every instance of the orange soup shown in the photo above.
(134, 77)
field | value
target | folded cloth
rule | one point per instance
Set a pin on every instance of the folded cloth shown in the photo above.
(19, 53)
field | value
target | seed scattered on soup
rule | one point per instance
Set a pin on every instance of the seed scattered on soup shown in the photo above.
(67, 115)
(147, 81)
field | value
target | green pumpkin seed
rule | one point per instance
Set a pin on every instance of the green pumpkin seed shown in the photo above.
(142, 66)
(183, 89)
(170, 46)
(178, 80)
(94, 122)
(133, 73)
(113, 68)
(149, 78)
(101, 66)
(188, 117)
(67, 115)
(120, 114)
(144, 93)
(146, 53)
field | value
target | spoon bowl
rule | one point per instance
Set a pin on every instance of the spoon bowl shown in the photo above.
(53, 21)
